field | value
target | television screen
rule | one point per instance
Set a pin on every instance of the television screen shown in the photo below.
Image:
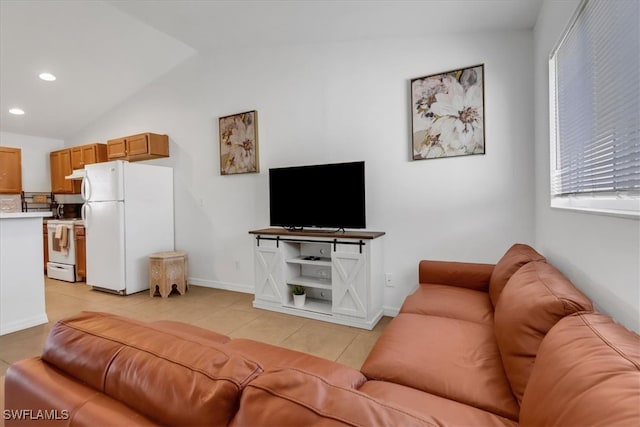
(327, 196)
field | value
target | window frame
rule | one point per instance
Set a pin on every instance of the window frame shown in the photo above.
(625, 203)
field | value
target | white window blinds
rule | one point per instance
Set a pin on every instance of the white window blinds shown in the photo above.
(595, 103)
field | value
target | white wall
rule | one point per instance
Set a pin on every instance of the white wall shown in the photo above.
(600, 254)
(35, 158)
(344, 102)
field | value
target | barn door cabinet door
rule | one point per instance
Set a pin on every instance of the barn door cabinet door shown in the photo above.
(269, 275)
(349, 282)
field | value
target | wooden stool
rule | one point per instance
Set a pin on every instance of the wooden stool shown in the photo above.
(166, 270)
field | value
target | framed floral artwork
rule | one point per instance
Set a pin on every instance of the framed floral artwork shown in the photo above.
(447, 114)
(239, 143)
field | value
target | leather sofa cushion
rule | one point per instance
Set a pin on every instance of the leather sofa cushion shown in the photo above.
(450, 301)
(462, 274)
(292, 397)
(168, 379)
(535, 298)
(515, 257)
(38, 386)
(455, 413)
(451, 358)
(587, 373)
(271, 357)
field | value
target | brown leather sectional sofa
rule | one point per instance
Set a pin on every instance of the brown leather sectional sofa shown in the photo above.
(509, 344)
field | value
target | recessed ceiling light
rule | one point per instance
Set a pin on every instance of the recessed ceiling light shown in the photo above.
(47, 77)
(17, 111)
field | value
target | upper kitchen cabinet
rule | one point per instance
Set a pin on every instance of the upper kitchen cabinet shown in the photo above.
(60, 162)
(88, 154)
(10, 170)
(143, 146)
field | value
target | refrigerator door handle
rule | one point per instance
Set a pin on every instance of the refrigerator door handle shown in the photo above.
(85, 189)
(83, 213)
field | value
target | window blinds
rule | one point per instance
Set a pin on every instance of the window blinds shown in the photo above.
(596, 98)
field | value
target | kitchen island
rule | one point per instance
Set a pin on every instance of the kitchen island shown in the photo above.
(21, 280)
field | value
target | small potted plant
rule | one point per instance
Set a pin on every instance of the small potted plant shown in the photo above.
(298, 295)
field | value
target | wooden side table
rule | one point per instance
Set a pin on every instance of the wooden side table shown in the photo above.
(166, 271)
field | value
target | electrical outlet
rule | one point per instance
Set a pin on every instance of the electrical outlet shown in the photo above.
(387, 280)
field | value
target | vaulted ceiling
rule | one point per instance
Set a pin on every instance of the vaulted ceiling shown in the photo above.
(102, 52)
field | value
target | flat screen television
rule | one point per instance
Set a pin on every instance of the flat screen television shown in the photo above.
(325, 196)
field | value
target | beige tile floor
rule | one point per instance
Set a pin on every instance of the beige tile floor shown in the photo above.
(226, 312)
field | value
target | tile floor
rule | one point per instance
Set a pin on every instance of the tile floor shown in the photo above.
(226, 312)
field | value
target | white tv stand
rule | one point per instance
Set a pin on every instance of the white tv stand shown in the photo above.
(342, 273)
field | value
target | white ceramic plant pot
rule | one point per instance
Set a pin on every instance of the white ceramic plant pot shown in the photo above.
(298, 300)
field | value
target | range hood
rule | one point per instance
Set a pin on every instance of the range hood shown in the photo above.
(76, 174)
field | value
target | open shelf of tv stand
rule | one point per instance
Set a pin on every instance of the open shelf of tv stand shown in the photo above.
(316, 306)
(342, 273)
(307, 260)
(310, 282)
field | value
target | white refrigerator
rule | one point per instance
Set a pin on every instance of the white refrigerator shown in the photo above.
(128, 215)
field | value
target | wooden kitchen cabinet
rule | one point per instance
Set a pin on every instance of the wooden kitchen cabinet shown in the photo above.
(88, 154)
(143, 146)
(117, 149)
(10, 170)
(81, 251)
(45, 245)
(60, 162)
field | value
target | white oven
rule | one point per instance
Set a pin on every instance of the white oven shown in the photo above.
(62, 250)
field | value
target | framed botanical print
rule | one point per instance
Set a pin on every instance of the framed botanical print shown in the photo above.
(239, 143)
(447, 114)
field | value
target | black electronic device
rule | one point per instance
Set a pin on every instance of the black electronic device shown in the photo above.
(325, 196)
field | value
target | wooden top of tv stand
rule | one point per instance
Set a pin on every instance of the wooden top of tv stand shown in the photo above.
(319, 233)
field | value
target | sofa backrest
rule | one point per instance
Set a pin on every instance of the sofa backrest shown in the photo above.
(515, 257)
(587, 373)
(536, 297)
(169, 378)
(272, 357)
(294, 397)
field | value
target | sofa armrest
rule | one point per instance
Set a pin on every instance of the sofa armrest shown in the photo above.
(462, 274)
(37, 394)
(156, 373)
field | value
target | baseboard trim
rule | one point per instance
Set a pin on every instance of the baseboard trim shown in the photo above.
(390, 311)
(7, 328)
(236, 287)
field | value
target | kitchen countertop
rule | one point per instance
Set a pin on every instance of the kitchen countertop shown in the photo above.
(17, 215)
